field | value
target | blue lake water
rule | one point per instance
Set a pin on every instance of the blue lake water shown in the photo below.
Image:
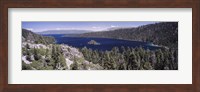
(105, 43)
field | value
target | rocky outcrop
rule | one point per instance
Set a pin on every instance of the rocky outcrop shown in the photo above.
(71, 55)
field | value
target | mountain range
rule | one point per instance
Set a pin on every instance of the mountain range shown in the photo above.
(164, 33)
(64, 32)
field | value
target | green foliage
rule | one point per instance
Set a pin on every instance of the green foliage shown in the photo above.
(61, 59)
(57, 57)
(41, 51)
(116, 59)
(37, 65)
(46, 59)
(47, 68)
(26, 66)
(147, 66)
(133, 59)
(78, 63)
(37, 55)
(74, 66)
(23, 51)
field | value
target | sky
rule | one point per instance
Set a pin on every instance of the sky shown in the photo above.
(93, 26)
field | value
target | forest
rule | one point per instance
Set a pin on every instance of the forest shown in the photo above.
(116, 59)
(133, 58)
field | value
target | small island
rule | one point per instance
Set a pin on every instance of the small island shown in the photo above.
(93, 42)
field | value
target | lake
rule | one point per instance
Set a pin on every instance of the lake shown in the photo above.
(105, 43)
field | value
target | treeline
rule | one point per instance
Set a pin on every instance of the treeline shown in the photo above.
(133, 58)
(165, 34)
(35, 38)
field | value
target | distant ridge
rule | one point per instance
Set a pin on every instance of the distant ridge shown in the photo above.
(64, 32)
(164, 33)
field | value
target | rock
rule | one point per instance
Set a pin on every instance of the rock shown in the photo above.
(32, 58)
(68, 62)
(25, 61)
(43, 57)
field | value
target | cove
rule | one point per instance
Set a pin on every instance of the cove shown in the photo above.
(105, 43)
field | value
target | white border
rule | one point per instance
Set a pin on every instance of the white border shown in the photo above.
(181, 76)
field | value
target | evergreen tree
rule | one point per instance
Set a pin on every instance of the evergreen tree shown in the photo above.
(27, 46)
(74, 66)
(36, 54)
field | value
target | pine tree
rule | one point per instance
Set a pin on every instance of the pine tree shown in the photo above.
(27, 46)
(74, 66)
(61, 60)
(54, 56)
(36, 54)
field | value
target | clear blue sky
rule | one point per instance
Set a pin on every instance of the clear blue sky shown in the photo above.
(93, 26)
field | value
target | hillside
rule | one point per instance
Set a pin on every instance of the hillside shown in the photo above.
(35, 38)
(165, 34)
(54, 57)
(38, 53)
